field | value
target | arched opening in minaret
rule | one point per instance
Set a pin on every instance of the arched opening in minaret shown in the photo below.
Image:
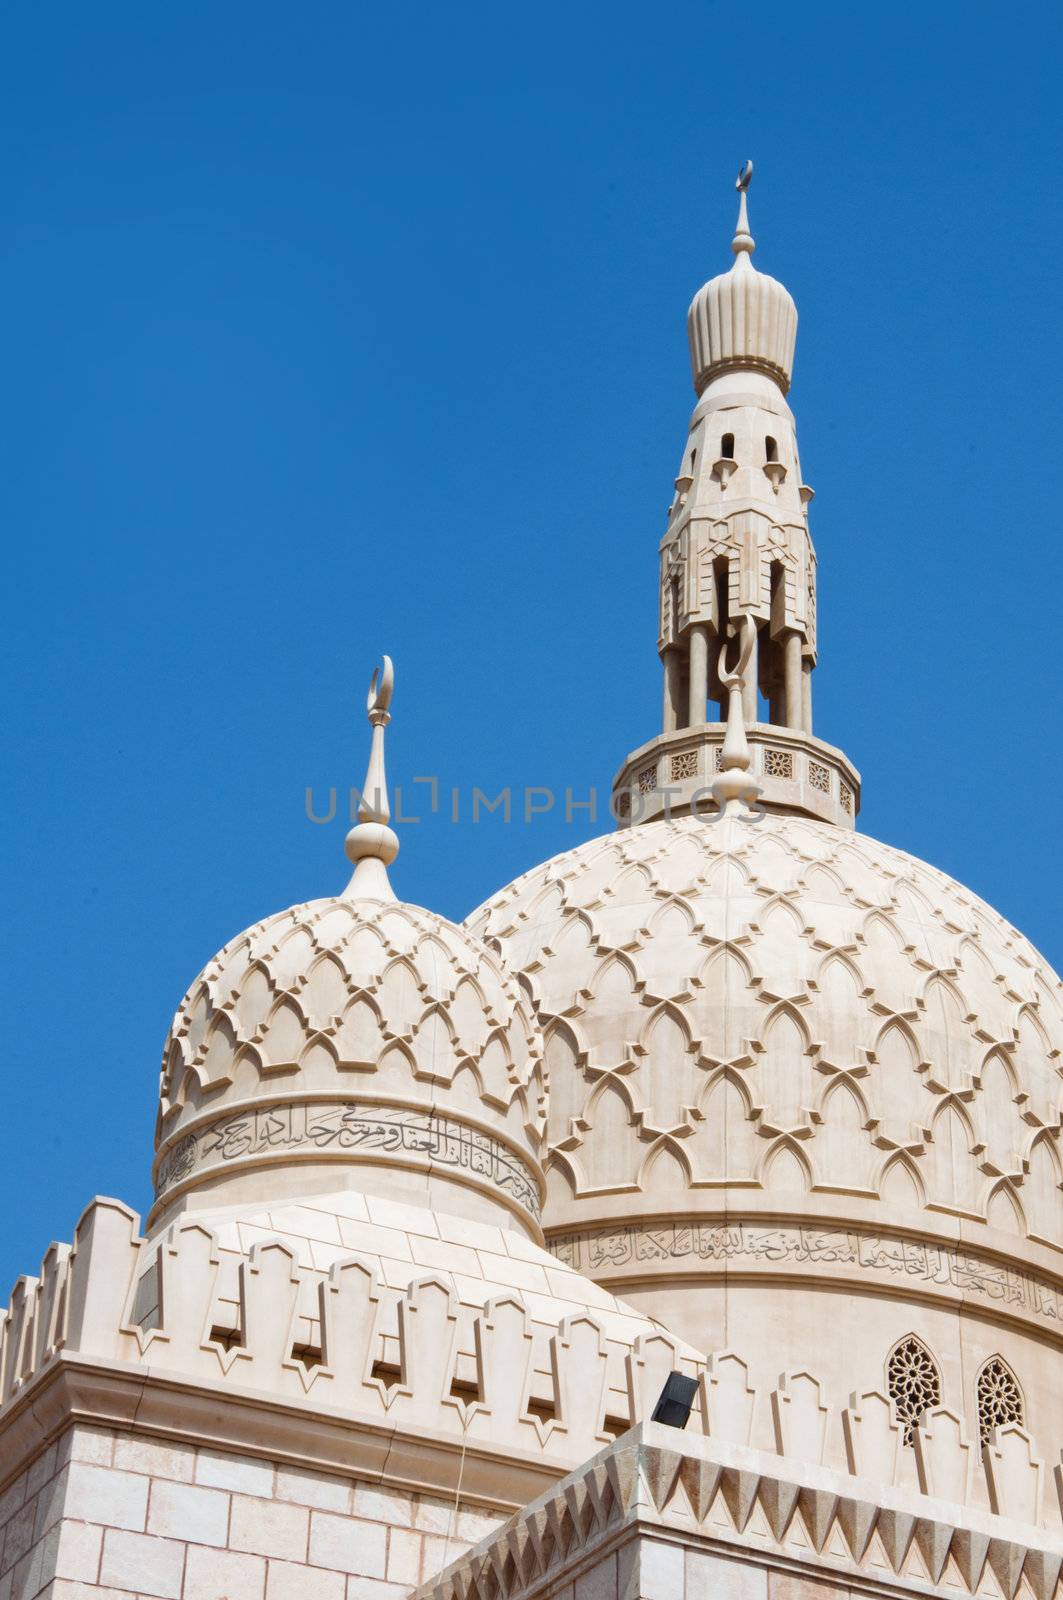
(727, 447)
(772, 664)
(771, 449)
(721, 583)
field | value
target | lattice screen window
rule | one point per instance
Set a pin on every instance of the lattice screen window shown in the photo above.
(999, 1397)
(913, 1381)
(684, 765)
(846, 798)
(819, 776)
(778, 763)
(623, 803)
(647, 780)
(717, 758)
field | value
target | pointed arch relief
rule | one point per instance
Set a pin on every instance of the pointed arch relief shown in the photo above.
(673, 919)
(1036, 1065)
(366, 956)
(868, 886)
(783, 1071)
(725, 1146)
(436, 964)
(956, 1183)
(435, 1050)
(1043, 1190)
(574, 956)
(841, 1150)
(253, 999)
(281, 1041)
(984, 993)
(900, 1101)
(562, 1183)
(610, 1152)
(890, 974)
(326, 992)
(900, 1184)
(840, 1015)
(665, 1170)
(290, 960)
(667, 1078)
(566, 1083)
(725, 1011)
(821, 885)
(681, 868)
(1002, 1130)
(495, 1067)
(400, 999)
(785, 1169)
(727, 879)
(948, 1041)
(780, 954)
(1004, 1210)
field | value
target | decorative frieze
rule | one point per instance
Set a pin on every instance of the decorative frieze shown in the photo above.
(355, 1128)
(883, 1258)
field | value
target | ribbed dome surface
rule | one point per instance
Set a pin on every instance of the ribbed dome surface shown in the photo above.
(337, 999)
(779, 1007)
(742, 318)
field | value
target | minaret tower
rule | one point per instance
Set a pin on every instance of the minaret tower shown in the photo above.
(737, 551)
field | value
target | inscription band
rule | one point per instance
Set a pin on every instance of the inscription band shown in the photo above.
(348, 1126)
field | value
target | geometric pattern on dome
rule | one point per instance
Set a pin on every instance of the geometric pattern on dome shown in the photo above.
(913, 1383)
(999, 1398)
(354, 986)
(781, 1004)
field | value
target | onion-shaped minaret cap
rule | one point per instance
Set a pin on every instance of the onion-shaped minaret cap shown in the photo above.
(742, 320)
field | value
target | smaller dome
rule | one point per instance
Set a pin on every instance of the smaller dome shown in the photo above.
(365, 1033)
(354, 1042)
(742, 318)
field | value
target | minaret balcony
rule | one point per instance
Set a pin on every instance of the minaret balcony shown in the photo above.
(673, 774)
(724, 470)
(775, 473)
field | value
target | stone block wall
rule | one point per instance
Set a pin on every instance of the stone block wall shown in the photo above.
(106, 1515)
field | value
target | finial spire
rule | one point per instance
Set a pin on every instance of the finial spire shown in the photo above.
(743, 243)
(736, 787)
(371, 844)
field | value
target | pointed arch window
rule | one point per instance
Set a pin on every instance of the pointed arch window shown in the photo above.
(999, 1397)
(727, 447)
(913, 1381)
(771, 449)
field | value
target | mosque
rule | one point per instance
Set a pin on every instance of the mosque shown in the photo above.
(685, 1225)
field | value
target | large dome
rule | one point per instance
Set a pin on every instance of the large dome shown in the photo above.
(780, 1052)
(349, 1034)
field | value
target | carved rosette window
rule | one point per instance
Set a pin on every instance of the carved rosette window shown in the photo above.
(999, 1397)
(913, 1381)
(779, 764)
(647, 780)
(819, 776)
(684, 765)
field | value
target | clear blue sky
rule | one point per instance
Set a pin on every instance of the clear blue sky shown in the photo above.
(334, 329)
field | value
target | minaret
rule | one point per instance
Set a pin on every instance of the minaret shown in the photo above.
(737, 553)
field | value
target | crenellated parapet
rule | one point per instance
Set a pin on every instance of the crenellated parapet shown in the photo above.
(431, 1361)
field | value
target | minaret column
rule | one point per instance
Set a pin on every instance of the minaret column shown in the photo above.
(806, 696)
(793, 681)
(699, 675)
(673, 680)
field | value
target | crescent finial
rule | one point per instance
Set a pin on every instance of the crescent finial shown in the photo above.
(745, 176)
(380, 688)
